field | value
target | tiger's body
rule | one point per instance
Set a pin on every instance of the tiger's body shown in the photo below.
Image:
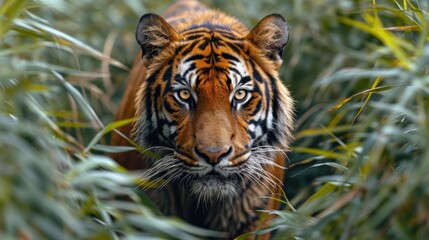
(208, 99)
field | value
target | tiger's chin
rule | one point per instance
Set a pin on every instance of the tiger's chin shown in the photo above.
(212, 188)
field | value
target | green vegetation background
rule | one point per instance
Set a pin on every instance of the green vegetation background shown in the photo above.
(358, 70)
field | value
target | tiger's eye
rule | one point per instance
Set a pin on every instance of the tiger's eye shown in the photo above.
(184, 94)
(240, 94)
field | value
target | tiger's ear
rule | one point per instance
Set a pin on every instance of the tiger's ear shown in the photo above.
(153, 34)
(270, 35)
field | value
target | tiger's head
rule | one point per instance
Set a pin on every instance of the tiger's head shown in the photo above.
(213, 104)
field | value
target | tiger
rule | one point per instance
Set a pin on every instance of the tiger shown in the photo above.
(207, 99)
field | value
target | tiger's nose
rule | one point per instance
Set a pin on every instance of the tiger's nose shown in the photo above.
(213, 155)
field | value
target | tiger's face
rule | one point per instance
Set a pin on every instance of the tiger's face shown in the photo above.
(213, 104)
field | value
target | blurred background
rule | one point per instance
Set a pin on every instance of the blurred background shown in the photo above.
(357, 69)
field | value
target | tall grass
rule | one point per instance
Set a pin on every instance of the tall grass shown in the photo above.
(357, 69)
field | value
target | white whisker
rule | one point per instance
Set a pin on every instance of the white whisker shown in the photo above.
(209, 190)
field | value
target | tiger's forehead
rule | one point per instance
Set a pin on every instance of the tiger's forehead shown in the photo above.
(207, 28)
(195, 72)
(209, 55)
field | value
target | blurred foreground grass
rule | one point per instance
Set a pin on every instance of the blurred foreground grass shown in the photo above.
(357, 69)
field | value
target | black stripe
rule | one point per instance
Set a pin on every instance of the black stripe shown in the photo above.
(268, 100)
(275, 94)
(168, 72)
(191, 68)
(256, 109)
(194, 57)
(186, 155)
(256, 122)
(245, 80)
(240, 155)
(194, 31)
(256, 75)
(157, 95)
(150, 102)
(220, 43)
(234, 47)
(204, 44)
(272, 134)
(230, 57)
(252, 134)
(228, 36)
(178, 78)
(235, 70)
(179, 49)
(229, 82)
(189, 48)
(168, 106)
(195, 36)
(152, 78)
(220, 69)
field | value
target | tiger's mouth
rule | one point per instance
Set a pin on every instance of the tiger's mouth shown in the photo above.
(211, 183)
(231, 161)
(221, 172)
(223, 183)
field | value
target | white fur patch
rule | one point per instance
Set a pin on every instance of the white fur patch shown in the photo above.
(270, 118)
(173, 129)
(258, 131)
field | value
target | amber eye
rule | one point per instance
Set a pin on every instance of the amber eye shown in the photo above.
(240, 95)
(184, 94)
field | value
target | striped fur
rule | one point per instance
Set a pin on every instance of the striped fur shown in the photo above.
(209, 100)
